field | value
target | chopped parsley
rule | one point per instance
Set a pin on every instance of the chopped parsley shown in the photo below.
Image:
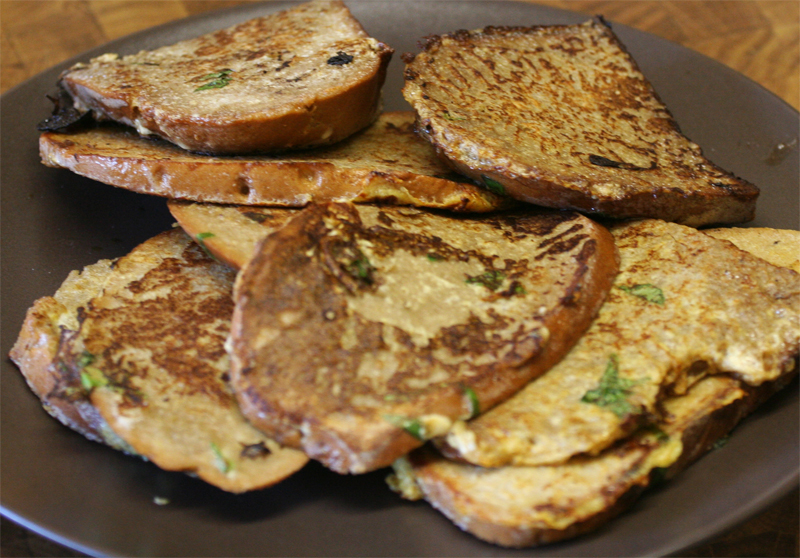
(411, 425)
(216, 80)
(612, 392)
(491, 279)
(361, 269)
(493, 185)
(474, 404)
(648, 292)
(222, 464)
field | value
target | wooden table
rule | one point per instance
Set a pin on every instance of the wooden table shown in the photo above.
(760, 39)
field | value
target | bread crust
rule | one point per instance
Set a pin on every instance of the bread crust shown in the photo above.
(561, 116)
(422, 345)
(276, 83)
(386, 163)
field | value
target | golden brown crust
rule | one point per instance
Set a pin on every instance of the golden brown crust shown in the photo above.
(561, 116)
(306, 76)
(684, 305)
(406, 321)
(385, 163)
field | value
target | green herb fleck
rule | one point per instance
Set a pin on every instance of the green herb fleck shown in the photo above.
(654, 431)
(411, 425)
(200, 238)
(649, 292)
(474, 404)
(518, 289)
(360, 268)
(92, 377)
(491, 279)
(85, 359)
(222, 464)
(217, 80)
(493, 185)
(613, 391)
(435, 257)
(453, 118)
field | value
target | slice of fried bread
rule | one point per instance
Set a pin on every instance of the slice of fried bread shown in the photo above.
(360, 331)
(230, 233)
(779, 247)
(561, 116)
(385, 163)
(528, 506)
(37, 345)
(149, 350)
(684, 305)
(306, 76)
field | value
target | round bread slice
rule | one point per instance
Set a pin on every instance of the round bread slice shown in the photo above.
(302, 77)
(561, 116)
(361, 331)
(385, 163)
(149, 352)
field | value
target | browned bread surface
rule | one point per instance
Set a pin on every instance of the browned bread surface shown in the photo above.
(309, 75)
(230, 233)
(528, 506)
(148, 350)
(360, 331)
(37, 346)
(386, 163)
(683, 306)
(779, 247)
(561, 116)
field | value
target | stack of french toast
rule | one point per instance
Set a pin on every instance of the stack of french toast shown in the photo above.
(523, 298)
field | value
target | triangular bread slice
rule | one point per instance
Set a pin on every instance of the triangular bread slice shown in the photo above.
(561, 116)
(306, 76)
(360, 331)
(520, 506)
(146, 350)
(385, 163)
(683, 306)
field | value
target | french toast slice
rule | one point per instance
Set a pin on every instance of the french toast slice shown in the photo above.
(361, 331)
(520, 506)
(305, 76)
(561, 116)
(530, 506)
(385, 163)
(779, 247)
(37, 345)
(230, 233)
(147, 352)
(684, 305)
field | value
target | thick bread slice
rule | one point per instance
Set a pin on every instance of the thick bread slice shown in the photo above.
(779, 247)
(528, 506)
(561, 116)
(37, 346)
(150, 351)
(360, 331)
(230, 233)
(306, 76)
(684, 305)
(386, 163)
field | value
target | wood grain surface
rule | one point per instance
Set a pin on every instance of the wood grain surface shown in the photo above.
(760, 39)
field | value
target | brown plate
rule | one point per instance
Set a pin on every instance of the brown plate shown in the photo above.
(98, 501)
